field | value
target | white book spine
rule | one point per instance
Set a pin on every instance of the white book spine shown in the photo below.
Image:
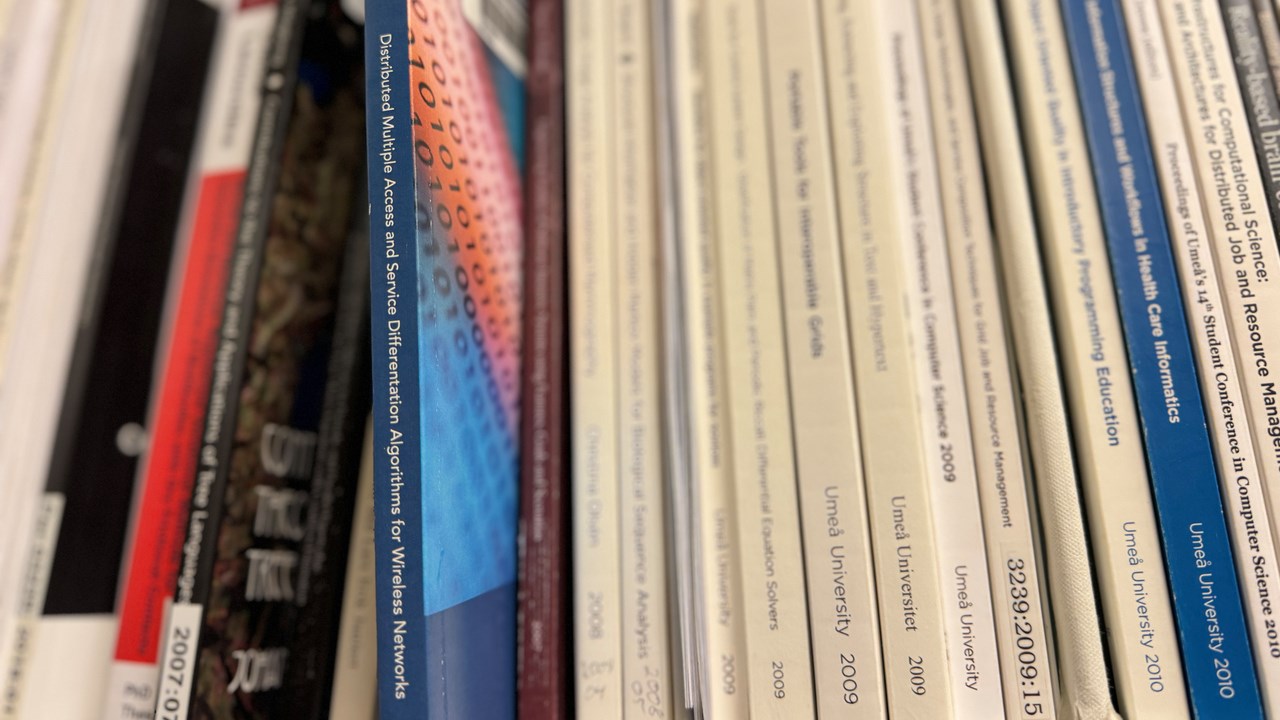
(593, 380)
(1231, 305)
(843, 622)
(721, 634)
(991, 391)
(646, 659)
(54, 239)
(1083, 685)
(774, 607)
(964, 579)
(918, 683)
(1127, 554)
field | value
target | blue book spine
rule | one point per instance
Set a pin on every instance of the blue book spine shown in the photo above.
(446, 241)
(401, 615)
(1210, 617)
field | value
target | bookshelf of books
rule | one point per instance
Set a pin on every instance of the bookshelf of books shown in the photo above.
(594, 359)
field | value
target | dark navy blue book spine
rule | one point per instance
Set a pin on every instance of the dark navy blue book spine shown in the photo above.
(1211, 624)
(401, 616)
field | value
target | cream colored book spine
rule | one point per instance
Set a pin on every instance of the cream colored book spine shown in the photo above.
(646, 640)
(1231, 304)
(1127, 553)
(917, 681)
(964, 579)
(989, 384)
(593, 376)
(21, 498)
(775, 613)
(1082, 681)
(355, 664)
(721, 634)
(843, 621)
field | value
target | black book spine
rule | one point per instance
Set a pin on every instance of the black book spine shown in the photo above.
(73, 566)
(196, 559)
(254, 583)
(313, 649)
(1259, 91)
(101, 428)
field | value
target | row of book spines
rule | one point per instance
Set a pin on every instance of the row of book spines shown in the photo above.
(248, 233)
(1173, 417)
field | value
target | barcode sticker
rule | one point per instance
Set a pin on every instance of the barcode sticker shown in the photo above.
(177, 664)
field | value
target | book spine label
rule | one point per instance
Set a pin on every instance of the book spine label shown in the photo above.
(989, 384)
(177, 681)
(917, 681)
(721, 634)
(1220, 377)
(1128, 559)
(25, 622)
(187, 363)
(544, 535)
(1258, 87)
(646, 656)
(393, 260)
(843, 622)
(597, 584)
(965, 580)
(1215, 646)
(1083, 684)
(774, 599)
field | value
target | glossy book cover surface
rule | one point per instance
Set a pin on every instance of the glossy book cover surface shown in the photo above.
(445, 244)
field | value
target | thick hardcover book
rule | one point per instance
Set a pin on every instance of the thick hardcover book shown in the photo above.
(918, 683)
(774, 607)
(226, 642)
(543, 683)
(1221, 378)
(844, 625)
(185, 366)
(1215, 644)
(445, 251)
(1127, 553)
(1262, 106)
(1082, 684)
(1020, 614)
(597, 576)
(104, 401)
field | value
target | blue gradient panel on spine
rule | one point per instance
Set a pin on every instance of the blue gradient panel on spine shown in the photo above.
(1210, 617)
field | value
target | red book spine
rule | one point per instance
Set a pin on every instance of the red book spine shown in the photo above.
(160, 524)
(543, 659)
